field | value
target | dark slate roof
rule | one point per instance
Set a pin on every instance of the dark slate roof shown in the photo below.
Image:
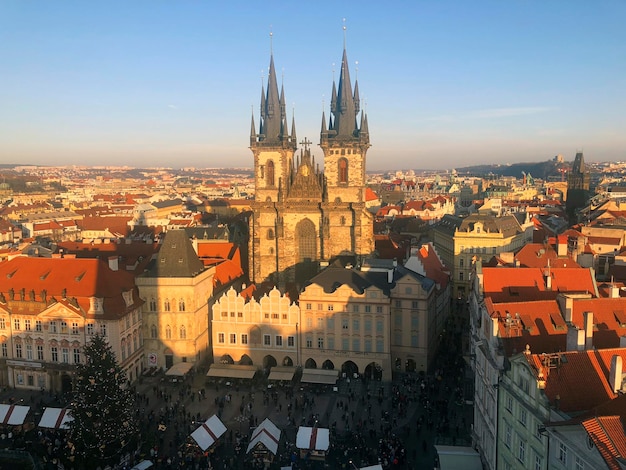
(335, 276)
(176, 258)
(508, 225)
(208, 233)
(448, 224)
(401, 271)
(167, 203)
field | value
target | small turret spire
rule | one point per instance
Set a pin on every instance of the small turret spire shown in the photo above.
(293, 125)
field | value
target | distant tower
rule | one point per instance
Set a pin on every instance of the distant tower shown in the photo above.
(297, 206)
(577, 187)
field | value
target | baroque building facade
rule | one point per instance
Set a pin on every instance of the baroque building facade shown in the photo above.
(303, 216)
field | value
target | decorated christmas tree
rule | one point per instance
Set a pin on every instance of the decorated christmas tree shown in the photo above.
(105, 421)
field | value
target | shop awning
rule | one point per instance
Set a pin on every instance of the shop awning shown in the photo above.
(458, 458)
(319, 376)
(13, 414)
(266, 434)
(281, 373)
(180, 369)
(313, 438)
(209, 432)
(232, 371)
(56, 418)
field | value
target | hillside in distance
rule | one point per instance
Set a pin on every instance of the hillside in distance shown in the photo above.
(548, 170)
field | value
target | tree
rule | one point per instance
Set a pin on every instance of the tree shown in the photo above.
(105, 421)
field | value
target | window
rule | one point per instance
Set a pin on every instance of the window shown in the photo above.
(331, 307)
(64, 327)
(356, 325)
(379, 327)
(368, 345)
(355, 308)
(5, 350)
(29, 352)
(103, 329)
(153, 332)
(319, 307)
(344, 323)
(279, 341)
(507, 435)
(331, 343)
(74, 328)
(291, 341)
(244, 338)
(368, 325)
(166, 305)
(414, 304)
(309, 322)
(153, 304)
(40, 352)
(356, 344)
(461, 262)
(38, 325)
(368, 309)
(168, 332)
(54, 354)
(181, 305)
(398, 303)
(320, 323)
(76, 352)
(27, 324)
(220, 338)
(233, 338)
(183, 332)
(380, 345)
(270, 173)
(330, 323)
(267, 340)
(414, 341)
(16, 324)
(345, 344)
(320, 343)
(521, 451)
(523, 416)
(342, 170)
(414, 322)
(379, 309)
(461, 276)
(580, 464)
(65, 352)
(562, 453)
(270, 234)
(509, 403)
(18, 350)
(3, 323)
(309, 306)
(398, 320)
(309, 343)
(274, 316)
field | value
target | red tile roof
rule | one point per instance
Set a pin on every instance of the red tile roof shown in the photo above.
(512, 284)
(539, 255)
(609, 437)
(370, 195)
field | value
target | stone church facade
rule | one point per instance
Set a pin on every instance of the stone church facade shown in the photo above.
(304, 217)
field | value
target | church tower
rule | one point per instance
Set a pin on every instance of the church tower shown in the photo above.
(297, 207)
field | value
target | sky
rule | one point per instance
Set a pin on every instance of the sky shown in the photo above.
(445, 84)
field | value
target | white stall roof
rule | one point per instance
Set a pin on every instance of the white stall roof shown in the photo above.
(180, 369)
(56, 418)
(267, 434)
(209, 432)
(313, 438)
(232, 371)
(13, 414)
(458, 458)
(319, 376)
(373, 467)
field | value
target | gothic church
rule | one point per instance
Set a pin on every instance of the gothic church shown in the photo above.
(304, 217)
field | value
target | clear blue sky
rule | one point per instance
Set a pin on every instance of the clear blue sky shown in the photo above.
(447, 83)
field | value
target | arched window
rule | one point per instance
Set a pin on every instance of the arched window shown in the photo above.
(183, 332)
(270, 173)
(153, 332)
(270, 234)
(153, 305)
(166, 305)
(342, 220)
(343, 170)
(181, 305)
(168, 332)
(123, 348)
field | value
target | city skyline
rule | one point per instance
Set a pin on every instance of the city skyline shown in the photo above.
(444, 85)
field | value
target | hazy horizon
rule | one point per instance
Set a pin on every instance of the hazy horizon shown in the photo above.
(445, 84)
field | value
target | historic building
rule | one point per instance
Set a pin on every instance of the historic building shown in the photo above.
(577, 186)
(176, 288)
(50, 308)
(303, 216)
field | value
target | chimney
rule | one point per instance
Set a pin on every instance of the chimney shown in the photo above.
(615, 376)
(548, 277)
(390, 276)
(569, 307)
(113, 263)
(561, 246)
(588, 330)
(575, 338)
(614, 292)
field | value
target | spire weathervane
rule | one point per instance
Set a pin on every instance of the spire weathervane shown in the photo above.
(271, 41)
(344, 33)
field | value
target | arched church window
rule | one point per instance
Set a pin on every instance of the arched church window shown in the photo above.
(153, 332)
(343, 220)
(270, 173)
(181, 305)
(270, 234)
(343, 170)
(183, 332)
(168, 332)
(166, 305)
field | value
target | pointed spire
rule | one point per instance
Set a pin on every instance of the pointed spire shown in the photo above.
(293, 128)
(333, 99)
(345, 114)
(283, 112)
(252, 130)
(357, 101)
(324, 131)
(365, 130)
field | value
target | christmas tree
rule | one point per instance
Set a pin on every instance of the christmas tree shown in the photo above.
(105, 421)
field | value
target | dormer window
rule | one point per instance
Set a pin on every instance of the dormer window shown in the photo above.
(95, 305)
(128, 297)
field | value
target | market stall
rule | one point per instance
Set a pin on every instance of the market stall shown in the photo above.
(56, 418)
(313, 442)
(209, 432)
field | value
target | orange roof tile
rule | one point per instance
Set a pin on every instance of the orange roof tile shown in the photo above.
(607, 433)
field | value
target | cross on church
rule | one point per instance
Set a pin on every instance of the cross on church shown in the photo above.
(306, 142)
